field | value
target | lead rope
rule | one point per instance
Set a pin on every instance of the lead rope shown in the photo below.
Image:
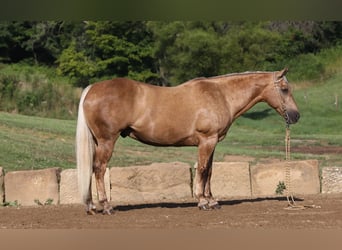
(291, 204)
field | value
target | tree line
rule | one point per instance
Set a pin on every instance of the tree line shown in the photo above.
(160, 52)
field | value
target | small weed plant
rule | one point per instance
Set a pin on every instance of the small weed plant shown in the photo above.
(48, 202)
(280, 188)
(11, 204)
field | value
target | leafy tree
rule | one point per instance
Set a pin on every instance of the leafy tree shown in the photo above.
(164, 53)
(38, 42)
(109, 49)
(12, 36)
(76, 65)
(250, 48)
(199, 54)
(164, 36)
(185, 50)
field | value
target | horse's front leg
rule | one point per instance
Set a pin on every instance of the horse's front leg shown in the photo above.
(213, 204)
(203, 173)
(102, 155)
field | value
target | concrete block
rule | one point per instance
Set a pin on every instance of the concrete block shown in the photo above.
(230, 179)
(331, 180)
(69, 187)
(2, 193)
(28, 186)
(156, 183)
(304, 176)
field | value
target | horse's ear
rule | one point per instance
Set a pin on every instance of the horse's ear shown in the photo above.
(282, 73)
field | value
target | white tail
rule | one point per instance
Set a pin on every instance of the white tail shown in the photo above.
(84, 151)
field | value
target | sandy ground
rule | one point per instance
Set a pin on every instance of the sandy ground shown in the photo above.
(265, 213)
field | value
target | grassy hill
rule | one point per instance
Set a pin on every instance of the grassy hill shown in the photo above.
(28, 142)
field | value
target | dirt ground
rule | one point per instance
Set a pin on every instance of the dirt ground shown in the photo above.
(263, 213)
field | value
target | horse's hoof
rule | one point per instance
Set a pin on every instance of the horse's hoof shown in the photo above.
(108, 211)
(214, 205)
(204, 207)
(91, 212)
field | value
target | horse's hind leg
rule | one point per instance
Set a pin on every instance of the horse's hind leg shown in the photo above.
(103, 153)
(91, 208)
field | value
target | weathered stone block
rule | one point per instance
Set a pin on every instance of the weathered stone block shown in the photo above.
(156, 183)
(230, 179)
(69, 187)
(331, 180)
(2, 193)
(28, 186)
(304, 177)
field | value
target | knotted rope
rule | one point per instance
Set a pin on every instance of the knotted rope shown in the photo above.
(291, 204)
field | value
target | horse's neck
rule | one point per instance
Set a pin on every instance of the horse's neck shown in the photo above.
(243, 92)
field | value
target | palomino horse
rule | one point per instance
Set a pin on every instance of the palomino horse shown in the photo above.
(196, 113)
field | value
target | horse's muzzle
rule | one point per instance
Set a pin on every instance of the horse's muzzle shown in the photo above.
(292, 116)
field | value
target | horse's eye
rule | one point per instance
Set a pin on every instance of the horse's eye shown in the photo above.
(285, 90)
(284, 87)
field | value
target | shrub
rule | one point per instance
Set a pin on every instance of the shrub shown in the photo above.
(34, 90)
(306, 67)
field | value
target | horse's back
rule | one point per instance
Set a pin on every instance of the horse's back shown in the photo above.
(114, 87)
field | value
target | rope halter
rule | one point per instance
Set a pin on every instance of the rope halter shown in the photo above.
(281, 99)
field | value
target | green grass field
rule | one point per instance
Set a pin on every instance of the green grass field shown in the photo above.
(28, 142)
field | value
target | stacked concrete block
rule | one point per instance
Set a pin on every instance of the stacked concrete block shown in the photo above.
(68, 190)
(156, 183)
(69, 187)
(170, 182)
(331, 180)
(32, 187)
(304, 177)
(229, 179)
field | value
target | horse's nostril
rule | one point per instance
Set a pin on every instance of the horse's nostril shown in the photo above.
(293, 116)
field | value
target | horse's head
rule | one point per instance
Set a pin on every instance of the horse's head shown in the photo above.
(279, 96)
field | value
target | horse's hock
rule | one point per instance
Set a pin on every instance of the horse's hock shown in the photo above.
(170, 182)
